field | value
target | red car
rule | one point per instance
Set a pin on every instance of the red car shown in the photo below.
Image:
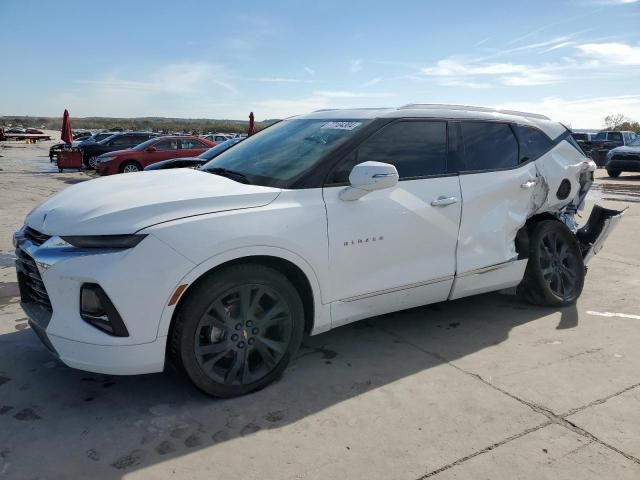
(151, 151)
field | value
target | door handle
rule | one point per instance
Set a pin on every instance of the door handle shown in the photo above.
(529, 184)
(443, 201)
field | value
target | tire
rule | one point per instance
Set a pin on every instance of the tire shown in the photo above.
(130, 167)
(613, 173)
(59, 170)
(555, 271)
(228, 350)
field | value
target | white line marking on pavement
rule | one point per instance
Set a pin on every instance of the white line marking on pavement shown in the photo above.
(613, 314)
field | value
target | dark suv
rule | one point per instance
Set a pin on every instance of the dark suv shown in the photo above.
(117, 141)
(607, 140)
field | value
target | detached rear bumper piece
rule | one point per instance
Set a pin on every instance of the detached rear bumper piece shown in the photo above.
(601, 223)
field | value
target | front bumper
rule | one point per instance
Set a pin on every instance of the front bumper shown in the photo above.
(625, 164)
(139, 281)
(105, 169)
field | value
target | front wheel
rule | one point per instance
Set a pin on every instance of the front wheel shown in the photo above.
(555, 270)
(130, 167)
(237, 330)
(613, 173)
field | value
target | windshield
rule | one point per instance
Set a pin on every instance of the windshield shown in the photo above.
(286, 150)
(218, 149)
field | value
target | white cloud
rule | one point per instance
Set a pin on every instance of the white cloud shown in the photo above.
(347, 94)
(582, 113)
(355, 65)
(372, 82)
(176, 78)
(282, 80)
(309, 70)
(455, 72)
(464, 83)
(614, 53)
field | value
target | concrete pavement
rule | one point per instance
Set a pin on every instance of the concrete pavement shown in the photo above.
(484, 387)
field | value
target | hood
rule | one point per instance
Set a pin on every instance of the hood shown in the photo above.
(126, 203)
(626, 149)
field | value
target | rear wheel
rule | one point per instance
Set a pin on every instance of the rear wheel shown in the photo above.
(130, 167)
(613, 173)
(555, 270)
(238, 329)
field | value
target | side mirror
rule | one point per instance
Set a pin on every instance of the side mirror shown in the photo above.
(150, 149)
(368, 177)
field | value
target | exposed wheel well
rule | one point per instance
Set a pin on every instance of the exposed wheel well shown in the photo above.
(288, 269)
(522, 236)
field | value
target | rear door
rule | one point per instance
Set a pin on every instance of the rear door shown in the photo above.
(498, 187)
(394, 248)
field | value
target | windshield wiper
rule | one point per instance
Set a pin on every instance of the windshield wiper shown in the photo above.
(224, 172)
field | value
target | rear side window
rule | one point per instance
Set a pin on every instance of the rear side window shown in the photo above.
(121, 142)
(416, 149)
(191, 143)
(488, 146)
(533, 143)
(166, 145)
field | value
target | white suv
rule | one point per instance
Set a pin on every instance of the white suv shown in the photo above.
(315, 222)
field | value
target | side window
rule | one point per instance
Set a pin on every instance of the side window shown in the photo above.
(191, 143)
(533, 143)
(166, 145)
(488, 146)
(417, 149)
(614, 137)
(120, 142)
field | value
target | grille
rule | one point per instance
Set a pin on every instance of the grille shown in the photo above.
(30, 282)
(35, 236)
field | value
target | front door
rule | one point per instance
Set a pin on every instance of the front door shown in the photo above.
(394, 248)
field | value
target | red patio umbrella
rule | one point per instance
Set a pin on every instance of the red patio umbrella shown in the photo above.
(252, 125)
(67, 135)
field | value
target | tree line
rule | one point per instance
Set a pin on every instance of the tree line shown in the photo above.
(199, 125)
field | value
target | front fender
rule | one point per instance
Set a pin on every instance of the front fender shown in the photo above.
(322, 316)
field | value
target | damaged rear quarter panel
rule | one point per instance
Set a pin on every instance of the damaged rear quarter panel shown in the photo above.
(562, 162)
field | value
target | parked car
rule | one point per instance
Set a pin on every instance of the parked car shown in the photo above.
(314, 222)
(77, 143)
(624, 159)
(33, 131)
(193, 162)
(217, 137)
(117, 141)
(149, 152)
(605, 141)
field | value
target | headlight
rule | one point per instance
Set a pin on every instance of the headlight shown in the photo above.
(104, 241)
(103, 159)
(610, 153)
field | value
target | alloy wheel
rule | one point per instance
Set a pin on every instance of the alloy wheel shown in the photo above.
(130, 168)
(243, 335)
(559, 265)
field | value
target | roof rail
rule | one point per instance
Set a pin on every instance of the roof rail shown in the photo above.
(440, 106)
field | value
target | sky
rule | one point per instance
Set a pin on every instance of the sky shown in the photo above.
(574, 60)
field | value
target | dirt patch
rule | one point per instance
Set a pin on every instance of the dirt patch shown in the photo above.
(8, 291)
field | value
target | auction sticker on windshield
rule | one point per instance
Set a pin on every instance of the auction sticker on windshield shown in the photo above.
(341, 125)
